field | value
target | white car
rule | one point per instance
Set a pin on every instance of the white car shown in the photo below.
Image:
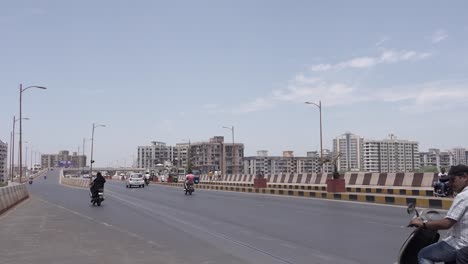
(135, 179)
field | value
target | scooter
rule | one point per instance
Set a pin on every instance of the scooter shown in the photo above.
(419, 238)
(189, 189)
(448, 192)
(98, 199)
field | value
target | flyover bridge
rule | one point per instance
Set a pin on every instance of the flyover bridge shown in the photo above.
(159, 224)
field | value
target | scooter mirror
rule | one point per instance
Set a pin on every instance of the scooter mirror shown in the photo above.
(410, 208)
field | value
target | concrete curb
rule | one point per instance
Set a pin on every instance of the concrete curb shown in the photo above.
(82, 183)
(12, 195)
(378, 198)
(361, 189)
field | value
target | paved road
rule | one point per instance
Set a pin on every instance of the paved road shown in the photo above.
(160, 224)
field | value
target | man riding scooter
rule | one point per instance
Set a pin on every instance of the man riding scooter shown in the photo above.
(97, 184)
(189, 179)
(441, 187)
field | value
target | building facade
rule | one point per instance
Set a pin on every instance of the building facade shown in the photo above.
(349, 147)
(217, 155)
(391, 155)
(459, 156)
(3, 161)
(436, 158)
(157, 153)
(207, 156)
(262, 163)
(63, 159)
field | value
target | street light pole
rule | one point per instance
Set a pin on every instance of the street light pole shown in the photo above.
(319, 105)
(92, 147)
(234, 167)
(21, 90)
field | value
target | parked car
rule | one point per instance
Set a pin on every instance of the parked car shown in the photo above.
(135, 179)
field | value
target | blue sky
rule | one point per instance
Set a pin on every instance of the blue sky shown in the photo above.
(174, 70)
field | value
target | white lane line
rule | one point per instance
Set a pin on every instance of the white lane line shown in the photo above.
(227, 238)
(123, 231)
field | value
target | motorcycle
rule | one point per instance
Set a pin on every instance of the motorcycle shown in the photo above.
(98, 199)
(30, 181)
(45, 177)
(188, 188)
(419, 238)
(147, 182)
(448, 192)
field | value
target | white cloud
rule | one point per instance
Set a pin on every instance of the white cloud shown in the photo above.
(428, 97)
(386, 56)
(439, 36)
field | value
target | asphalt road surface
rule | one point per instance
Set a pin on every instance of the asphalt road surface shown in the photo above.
(160, 224)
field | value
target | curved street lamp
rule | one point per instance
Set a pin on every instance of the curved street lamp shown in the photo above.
(319, 105)
(21, 89)
(92, 147)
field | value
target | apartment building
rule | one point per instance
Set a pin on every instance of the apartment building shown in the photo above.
(287, 163)
(391, 155)
(154, 154)
(460, 156)
(215, 154)
(436, 158)
(63, 159)
(3, 161)
(349, 146)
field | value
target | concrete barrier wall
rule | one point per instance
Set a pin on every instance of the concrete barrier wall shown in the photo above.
(83, 183)
(358, 178)
(11, 195)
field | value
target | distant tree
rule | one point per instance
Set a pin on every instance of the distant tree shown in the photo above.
(429, 169)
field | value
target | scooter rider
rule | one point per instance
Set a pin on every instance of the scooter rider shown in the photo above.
(189, 179)
(456, 220)
(442, 182)
(97, 184)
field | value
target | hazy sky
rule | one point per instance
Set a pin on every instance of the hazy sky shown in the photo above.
(174, 70)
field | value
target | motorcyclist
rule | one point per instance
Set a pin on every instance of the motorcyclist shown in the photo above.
(147, 176)
(189, 179)
(97, 184)
(442, 181)
(456, 221)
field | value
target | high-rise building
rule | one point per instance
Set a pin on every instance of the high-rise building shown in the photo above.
(217, 155)
(349, 147)
(391, 155)
(157, 153)
(436, 158)
(459, 156)
(3, 161)
(63, 159)
(288, 163)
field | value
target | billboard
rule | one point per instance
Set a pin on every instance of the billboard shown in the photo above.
(64, 163)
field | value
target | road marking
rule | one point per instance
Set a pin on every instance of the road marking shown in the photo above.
(102, 223)
(227, 238)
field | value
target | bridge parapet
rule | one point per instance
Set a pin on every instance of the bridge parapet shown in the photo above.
(409, 179)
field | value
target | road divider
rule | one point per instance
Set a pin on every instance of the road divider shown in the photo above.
(82, 183)
(378, 198)
(12, 195)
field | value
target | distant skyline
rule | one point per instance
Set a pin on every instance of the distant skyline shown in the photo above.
(169, 71)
